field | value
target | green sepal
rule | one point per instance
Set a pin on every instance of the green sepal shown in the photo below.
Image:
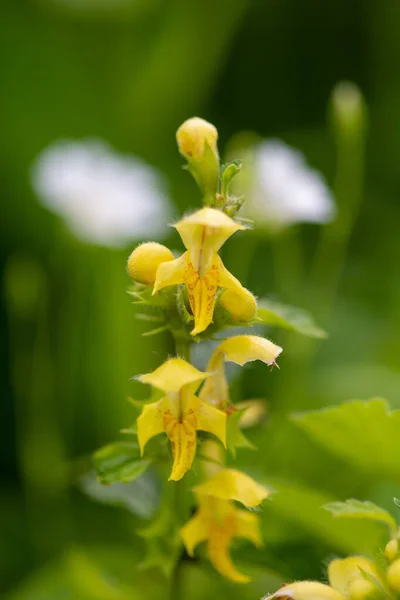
(206, 174)
(119, 461)
(288, 317)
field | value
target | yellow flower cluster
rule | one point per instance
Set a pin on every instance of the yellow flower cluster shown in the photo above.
(352, 578)
(181, 412)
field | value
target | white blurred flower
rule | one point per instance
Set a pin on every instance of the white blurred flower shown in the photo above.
(284, 190)
(105, 198)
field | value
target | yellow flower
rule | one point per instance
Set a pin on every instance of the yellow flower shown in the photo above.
(145, 259)
(229, 484)
(354, 577)
(239, 349)
(200, 268)
(306, 590)
(179, 413)
(217, 520)
(193, 135)
(393, 576)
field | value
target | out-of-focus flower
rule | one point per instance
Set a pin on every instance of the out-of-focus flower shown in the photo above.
(105, 198)
(217, 520)
(352, 578)
(283, 189)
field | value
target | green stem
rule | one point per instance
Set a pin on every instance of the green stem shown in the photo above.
(183, 347)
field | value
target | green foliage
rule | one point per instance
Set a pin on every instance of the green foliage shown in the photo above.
(119, 462)
(283, 316)
(365, 434)
(140, 497)
(235, 437)
(357, 509)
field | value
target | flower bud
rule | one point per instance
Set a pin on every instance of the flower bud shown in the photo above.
(254, 412)
(306, 590)
(393, 576)
(391, 550)
(362, 589)
(193, 135)
(197, 141)
(145, 259)
(242, 306)
(348, 108)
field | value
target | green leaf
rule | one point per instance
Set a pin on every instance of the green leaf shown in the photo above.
(357, 509)
(235, 438)
(365, 434)
(140, 497)
(119, 462)
(288, 317)
(296, 505)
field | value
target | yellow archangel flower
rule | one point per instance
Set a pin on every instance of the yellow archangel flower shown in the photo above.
(239, 349)
(179, 413)
(200, 268)
(217, 520)
(352, 578)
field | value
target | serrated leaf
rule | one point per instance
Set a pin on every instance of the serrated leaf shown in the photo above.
(140, 497)
(288, 317)
(363, 433)
(235, 438)
(119, 462)
(357, 509)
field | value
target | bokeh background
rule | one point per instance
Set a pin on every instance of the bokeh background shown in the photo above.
(129, 73)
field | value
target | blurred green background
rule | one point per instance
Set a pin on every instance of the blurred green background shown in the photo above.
(130, 72)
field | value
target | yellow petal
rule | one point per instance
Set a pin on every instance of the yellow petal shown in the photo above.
(230, 484)
(393, 576)
(150, 422)
(201, 292)
(194, 532)
(254, 412)
(183, 442)
(247, 526)
(215, 389)
(218, 227)
(170, 273)
(227, 280)
(241, 349)
(306, 590)
(218, 551)
(342, 572)
(209, 418)
(173, 375)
